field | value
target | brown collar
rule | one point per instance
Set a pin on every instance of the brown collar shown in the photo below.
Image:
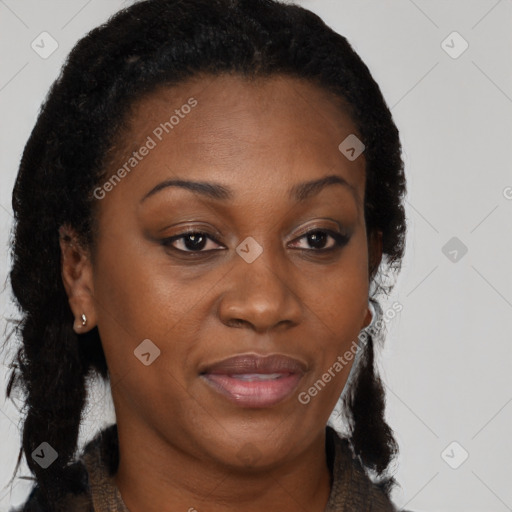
(351, 489)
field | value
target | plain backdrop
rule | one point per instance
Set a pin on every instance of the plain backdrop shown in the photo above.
(445, 69)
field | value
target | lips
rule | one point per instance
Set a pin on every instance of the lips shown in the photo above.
(253, 363)
(250, 380)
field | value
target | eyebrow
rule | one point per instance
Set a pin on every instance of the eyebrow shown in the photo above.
(299, 192)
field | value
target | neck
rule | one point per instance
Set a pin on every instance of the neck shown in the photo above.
(165, 478)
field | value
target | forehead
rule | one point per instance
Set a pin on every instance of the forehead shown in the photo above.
(276, 129)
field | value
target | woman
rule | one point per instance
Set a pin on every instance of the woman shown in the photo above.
(204, 211)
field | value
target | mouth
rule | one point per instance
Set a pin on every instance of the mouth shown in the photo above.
(254, 381)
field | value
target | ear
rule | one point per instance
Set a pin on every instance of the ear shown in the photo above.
(76, 271)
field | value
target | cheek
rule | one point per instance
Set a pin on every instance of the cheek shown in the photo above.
(338, 303)
(140, 296)
(128, 301)
(338, 295)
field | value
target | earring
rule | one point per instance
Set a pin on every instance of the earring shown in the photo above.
(84, 321)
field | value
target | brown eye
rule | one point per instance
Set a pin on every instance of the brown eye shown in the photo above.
(317, 239)
(191, 241)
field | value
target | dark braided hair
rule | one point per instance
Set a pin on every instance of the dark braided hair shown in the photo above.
(151, 44)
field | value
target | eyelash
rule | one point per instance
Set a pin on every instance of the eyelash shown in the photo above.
(340, 240)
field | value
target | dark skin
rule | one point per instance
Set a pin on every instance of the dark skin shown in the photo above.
(180, 442)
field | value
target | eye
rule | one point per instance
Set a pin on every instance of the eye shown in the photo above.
(197, 241)
(318, 238)
(190, 241)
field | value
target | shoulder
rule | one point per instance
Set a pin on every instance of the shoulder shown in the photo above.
(99, 458)
(80, 502)
(77, 497)
(352, 488)
(98, 453)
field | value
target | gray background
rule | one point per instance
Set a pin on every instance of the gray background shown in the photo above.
(447, 357)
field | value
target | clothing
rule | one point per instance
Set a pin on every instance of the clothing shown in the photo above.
(351, 489)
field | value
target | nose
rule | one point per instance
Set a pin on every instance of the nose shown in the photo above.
(260, 295)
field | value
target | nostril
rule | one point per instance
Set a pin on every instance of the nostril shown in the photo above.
(237, 322)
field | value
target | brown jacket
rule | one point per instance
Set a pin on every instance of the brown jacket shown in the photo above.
(351, 489)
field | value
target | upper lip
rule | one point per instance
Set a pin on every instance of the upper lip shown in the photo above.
(254, 363)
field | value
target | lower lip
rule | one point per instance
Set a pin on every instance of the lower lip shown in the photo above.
(263, 393)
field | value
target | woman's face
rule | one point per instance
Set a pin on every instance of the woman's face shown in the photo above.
(249, 282)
